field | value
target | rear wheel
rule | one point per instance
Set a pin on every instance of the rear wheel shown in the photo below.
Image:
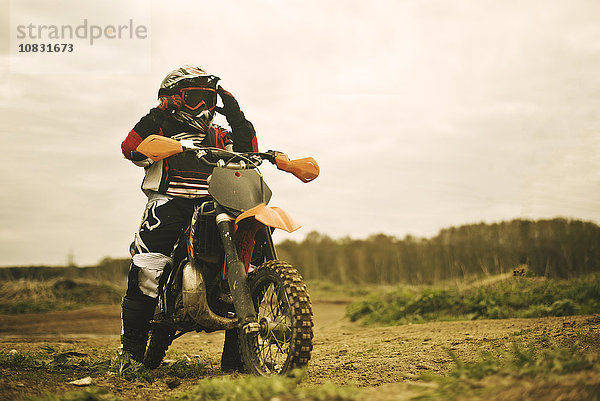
(284, 314)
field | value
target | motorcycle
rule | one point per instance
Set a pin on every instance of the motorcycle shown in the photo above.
(225, 273)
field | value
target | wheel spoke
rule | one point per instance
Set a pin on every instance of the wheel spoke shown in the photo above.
(275, 290)
(272, 306)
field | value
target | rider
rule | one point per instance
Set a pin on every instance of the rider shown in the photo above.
(187, 104)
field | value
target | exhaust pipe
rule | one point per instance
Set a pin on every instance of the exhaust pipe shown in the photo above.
(195, 304)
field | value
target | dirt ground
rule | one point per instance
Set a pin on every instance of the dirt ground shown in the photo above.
(387, 359)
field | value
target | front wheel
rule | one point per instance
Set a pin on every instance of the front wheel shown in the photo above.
(284, 314)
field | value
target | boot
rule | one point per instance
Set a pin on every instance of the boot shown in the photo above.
(231, 360)
(136, 315)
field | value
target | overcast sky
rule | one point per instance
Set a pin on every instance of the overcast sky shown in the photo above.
(421, 114)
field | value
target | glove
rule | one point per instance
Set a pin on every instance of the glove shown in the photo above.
(143, 163)
(140, 160)
(170, 103)
(231, 108)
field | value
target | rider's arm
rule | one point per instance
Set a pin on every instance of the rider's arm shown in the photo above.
(244, 136)
(242, 130)
(148, 125)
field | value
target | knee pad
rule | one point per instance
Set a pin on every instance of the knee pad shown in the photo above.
(146, 271)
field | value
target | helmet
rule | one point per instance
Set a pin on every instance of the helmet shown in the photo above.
(198, 90)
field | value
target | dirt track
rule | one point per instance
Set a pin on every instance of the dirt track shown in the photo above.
(344, 352)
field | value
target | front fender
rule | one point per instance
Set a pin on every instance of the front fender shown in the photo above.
(270, 216)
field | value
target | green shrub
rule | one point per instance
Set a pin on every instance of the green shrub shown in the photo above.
(129, 369)
(514, 297)
(563, 307)
(364, 307)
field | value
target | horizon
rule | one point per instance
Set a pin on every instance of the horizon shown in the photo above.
(73, 263)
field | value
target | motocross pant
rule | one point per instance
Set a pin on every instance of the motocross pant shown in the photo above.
(163, 221)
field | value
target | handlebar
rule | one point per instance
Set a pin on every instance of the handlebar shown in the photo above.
(158, 147)
(234, 160)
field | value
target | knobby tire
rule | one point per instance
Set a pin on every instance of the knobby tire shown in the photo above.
(293, 348)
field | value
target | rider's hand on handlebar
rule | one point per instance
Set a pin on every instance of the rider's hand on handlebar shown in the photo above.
(170, 103)
(231, 108)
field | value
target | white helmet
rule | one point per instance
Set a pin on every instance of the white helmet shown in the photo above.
(198, 90)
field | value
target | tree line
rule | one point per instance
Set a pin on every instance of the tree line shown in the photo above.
(559, 248)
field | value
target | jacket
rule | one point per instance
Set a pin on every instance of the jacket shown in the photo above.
(184, 175)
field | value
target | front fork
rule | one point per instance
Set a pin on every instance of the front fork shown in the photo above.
(236, 276)
(268, 248)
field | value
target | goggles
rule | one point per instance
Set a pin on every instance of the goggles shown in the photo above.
(194, 98)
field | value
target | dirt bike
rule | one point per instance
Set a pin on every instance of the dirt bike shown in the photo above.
(226, 274)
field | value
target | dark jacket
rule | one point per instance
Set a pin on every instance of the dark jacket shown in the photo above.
(183, 175)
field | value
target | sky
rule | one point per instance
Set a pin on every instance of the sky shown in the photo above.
(421, 115)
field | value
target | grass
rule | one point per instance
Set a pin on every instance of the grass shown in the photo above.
(526, 361)
(328, 291)
(245, 388)
(51, 365)
(188, 368)
(57, 365)
(518, 370)
(91, 394)
(254, 388)
(515, 297)
(34, 296)
(50, 360)
(127, 368)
